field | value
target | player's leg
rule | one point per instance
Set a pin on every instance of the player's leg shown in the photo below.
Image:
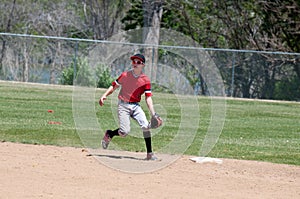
(140, 116)
(124, 113)
(124, 126)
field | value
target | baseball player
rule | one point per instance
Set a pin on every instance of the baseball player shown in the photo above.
(134, 83)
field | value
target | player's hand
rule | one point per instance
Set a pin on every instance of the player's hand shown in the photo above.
(155, 121)
(101, 101)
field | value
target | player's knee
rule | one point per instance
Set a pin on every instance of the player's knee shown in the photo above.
(123, 133)
(145, 126)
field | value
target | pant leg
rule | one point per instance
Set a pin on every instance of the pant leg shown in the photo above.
(124, 113)
(139, 115)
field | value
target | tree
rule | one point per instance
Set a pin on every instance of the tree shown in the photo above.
(146, 14)
(55, 22)
(281, 28)
(254, 25)
(152, 18)
(6, 27)
(101, 17)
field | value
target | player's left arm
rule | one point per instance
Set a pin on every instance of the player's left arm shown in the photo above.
(149, 103)
(155, 121)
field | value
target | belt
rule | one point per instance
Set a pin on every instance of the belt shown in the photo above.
(124, 102)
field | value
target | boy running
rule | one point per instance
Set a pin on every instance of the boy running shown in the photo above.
(134, 83)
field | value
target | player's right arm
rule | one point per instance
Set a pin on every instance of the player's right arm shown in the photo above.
(114, 85)
(109, 91)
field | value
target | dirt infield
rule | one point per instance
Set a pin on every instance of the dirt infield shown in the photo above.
(35, 171)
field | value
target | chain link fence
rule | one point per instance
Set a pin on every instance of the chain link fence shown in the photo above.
(57, 60)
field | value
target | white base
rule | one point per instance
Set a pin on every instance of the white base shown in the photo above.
(206, 160)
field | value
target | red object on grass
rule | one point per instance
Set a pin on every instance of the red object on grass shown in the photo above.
(53, 122)
(50, 111)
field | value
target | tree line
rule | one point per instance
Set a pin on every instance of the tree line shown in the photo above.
(265, 25)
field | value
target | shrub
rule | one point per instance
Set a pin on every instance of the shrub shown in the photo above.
(287, 89)
(104, 78)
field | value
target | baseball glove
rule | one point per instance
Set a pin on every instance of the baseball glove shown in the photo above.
(155, 121)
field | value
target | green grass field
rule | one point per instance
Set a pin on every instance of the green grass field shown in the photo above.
(253, 129)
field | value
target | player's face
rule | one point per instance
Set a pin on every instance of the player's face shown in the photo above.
(136, 63)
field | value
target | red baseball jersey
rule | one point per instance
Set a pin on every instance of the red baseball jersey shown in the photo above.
(132, 87)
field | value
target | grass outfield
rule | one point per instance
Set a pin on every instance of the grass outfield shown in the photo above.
(253, 129)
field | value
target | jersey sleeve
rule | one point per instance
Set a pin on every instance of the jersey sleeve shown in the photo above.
(148, 91)
(118, 81)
